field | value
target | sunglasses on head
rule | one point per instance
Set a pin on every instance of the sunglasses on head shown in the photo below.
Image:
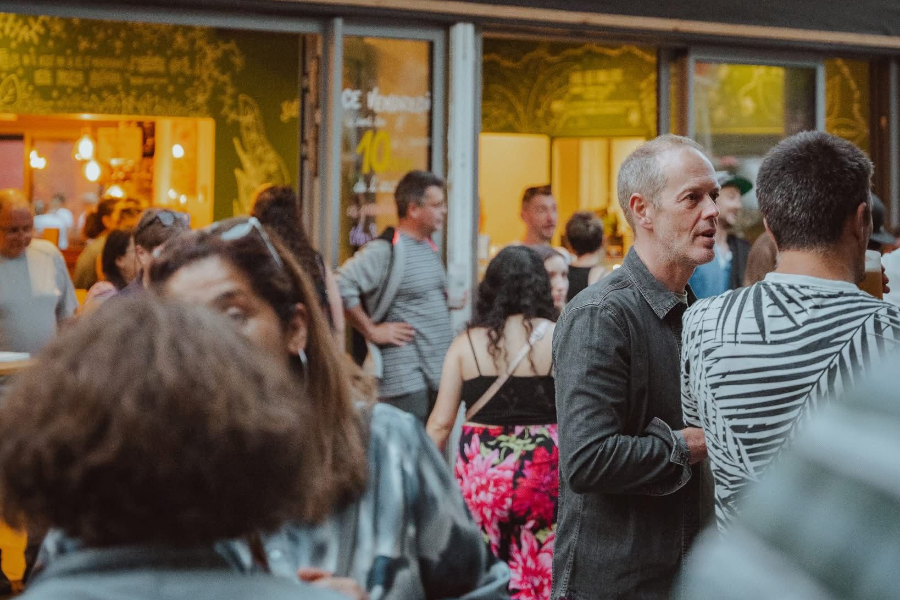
(166, 218)
(240, 230)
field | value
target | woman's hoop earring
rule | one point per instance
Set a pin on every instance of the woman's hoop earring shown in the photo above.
(304, 361)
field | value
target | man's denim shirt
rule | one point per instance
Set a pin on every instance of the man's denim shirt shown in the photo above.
(628, 505)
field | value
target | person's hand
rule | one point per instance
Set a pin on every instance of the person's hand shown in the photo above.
(696, 441)
(394, 334)
(322, 578)
(885, 281)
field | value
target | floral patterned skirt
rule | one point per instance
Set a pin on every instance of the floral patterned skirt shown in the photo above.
(509, 477)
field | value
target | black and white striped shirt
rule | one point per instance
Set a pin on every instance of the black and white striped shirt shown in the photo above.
(758, 361)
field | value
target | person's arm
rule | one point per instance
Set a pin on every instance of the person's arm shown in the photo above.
(360, 275)
(443, 416)
(454, 560)
(592, 354)
(335, 307)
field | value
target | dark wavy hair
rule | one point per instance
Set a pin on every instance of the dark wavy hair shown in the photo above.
(93, 222)
(278, 208)
(116, 246)
(175, 445)
(515, 283)
(330, 378)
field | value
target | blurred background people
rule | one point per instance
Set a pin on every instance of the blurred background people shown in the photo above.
(726, 271)
(762, 259)
(47, 219)
(507, 462)
(36, 293)
(385, 515)
(155, 227)
(557, 271)
(111, 213)
(145, 473)
(279, 210)
(584, 233)
(118, 265)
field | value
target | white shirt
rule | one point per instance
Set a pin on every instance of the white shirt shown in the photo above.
(53, 221)
(35, 295)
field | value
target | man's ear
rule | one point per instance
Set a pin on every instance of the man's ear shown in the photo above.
(298, 330)
(143, 256)
(641, 211)
(862, 223)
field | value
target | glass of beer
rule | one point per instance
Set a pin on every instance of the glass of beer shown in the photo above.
(873, 282)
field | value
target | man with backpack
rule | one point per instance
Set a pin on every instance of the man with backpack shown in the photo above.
(394, 291)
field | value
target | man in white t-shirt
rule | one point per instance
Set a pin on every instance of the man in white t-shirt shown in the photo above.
(36, 292)
(758, 362)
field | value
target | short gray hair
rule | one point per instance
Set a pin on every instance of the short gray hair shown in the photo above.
(640, 172)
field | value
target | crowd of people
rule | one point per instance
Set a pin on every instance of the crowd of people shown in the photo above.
(200, 427)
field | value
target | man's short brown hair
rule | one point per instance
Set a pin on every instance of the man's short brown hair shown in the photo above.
(153, 422)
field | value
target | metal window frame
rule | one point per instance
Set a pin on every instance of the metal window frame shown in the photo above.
(326, 226)
(716, 54)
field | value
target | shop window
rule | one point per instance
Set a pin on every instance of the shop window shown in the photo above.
(386, 130)
(847, 108)
(564, 114)
(741, 111)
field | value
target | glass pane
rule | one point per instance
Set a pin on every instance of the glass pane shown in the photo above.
(847, 109)
(741, 111)
(386, 99)
(559, 113)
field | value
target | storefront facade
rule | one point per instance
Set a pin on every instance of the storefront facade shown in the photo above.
(339, 99)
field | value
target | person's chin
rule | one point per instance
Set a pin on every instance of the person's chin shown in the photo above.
(701, 256)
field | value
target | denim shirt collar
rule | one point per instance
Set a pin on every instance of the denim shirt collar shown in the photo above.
(658, 296)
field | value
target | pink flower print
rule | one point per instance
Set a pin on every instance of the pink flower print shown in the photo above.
(536, 493)
(486, 487)
(531, 564)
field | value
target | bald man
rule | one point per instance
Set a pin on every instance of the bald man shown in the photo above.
(36, 292)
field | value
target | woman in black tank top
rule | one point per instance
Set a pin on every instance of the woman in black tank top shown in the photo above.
(508, 461)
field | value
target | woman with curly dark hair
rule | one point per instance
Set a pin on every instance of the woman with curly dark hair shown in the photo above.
(278, 209)
(386, 515)
(507, 465)
(144, 474)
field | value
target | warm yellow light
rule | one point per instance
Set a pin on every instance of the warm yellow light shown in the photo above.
(183, 199)
(92, 170)
(178, 151)
(172, 194)
(115, 191)
(36, 160)
(84, 148)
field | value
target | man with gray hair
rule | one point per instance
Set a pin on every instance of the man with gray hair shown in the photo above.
(36, 292)
(631, 492)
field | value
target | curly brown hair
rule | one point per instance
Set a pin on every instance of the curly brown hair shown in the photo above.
(136, 427)
(330, 379)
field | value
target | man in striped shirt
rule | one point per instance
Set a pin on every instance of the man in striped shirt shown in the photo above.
(759, 361)
(395, 294)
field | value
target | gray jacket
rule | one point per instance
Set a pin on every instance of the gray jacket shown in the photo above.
(630, 503)
(159, 573)
(409, 535)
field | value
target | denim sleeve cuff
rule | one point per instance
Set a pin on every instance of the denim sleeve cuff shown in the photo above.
(680, 456)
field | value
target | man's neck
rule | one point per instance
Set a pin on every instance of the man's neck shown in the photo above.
(410, 230)
(824, 265)
(672, 275)
(534, 239)
(591, 259)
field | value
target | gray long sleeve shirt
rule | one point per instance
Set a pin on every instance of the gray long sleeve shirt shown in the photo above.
(629, 506)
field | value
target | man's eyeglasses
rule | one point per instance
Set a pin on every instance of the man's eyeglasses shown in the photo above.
(166, 217)
(240, 230)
